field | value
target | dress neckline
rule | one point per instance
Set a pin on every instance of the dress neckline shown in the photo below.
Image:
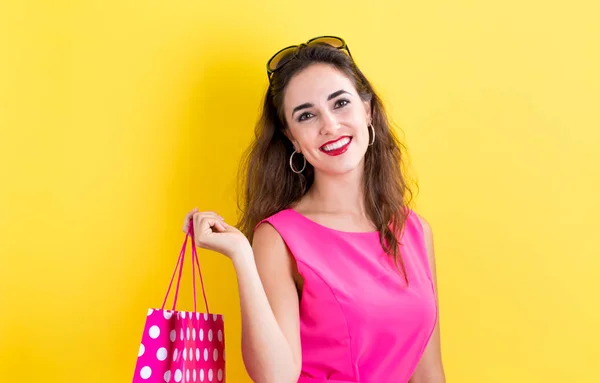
(365, 233)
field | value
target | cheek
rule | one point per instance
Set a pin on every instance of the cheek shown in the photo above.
(310, 141)
(360, 114)
(304, 137)
(354, 115)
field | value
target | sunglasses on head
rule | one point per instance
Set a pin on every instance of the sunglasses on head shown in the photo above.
(285, 55)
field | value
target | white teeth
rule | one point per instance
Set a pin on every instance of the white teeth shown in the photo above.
(336, 145)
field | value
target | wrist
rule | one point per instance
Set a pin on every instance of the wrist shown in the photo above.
(242, 257)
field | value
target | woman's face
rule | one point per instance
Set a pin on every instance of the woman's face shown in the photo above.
(327, 120)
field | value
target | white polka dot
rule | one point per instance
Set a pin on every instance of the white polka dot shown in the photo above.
(145, 372)
(187, 375)
(183, 315)
(220, 335)
(214, 317)
(197, 354)
(161, 354)
(181, 334)
(210, 375)
(150, 311)
(201, 334)
(188, 333)
(215, 355)
(205, 316)
(191, 354)
(184, 354)
(210, 335)
(205, 354)
(142, 349)
(193, 334)
(220, 375)
(175, 355)
(194, 375)
(178, 375)
(154, 332)
(173, 335)
(198, 316)
(167, 314)
(167, 376)
(202, 375)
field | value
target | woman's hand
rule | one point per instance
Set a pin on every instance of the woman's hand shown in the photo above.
(212, 233)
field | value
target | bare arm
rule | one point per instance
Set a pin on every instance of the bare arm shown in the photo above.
(430, 368)
(270, 309)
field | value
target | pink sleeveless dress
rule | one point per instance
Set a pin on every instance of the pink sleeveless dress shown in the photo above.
(358, 321)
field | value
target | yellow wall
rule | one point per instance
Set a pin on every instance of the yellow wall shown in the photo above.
(119, 116)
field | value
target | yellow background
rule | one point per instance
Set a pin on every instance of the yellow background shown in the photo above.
(118, 117)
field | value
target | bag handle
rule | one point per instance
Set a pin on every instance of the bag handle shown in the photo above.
(195, 263)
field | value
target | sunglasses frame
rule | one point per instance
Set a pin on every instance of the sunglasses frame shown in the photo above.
(343, 47)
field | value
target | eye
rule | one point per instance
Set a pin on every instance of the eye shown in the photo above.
(341, 103)
(305, 116)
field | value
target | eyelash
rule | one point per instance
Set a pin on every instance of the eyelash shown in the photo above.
(303, 116)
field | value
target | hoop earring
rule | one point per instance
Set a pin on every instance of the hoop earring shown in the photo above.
(372, 129)
(292, 165)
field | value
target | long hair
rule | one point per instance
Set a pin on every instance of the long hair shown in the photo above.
(268, 185)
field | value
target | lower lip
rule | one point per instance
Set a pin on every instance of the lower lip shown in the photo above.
(338, 151)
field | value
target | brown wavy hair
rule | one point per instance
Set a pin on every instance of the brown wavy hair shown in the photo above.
(268, 185)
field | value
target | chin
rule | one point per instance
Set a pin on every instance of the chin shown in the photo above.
(342, 167)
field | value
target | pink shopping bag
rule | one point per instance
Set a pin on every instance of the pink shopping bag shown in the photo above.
(182, 346)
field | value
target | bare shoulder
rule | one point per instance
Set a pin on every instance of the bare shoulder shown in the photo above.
(426, 227)
(266, 233)
(271, 252)
(428, 236)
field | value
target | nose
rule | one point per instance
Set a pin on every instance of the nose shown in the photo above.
(330, 123)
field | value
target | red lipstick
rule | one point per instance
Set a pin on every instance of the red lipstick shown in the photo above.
(336, 147)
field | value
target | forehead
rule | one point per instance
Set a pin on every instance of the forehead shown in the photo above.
(314, 84)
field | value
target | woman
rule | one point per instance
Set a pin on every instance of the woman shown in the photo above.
(336, 274)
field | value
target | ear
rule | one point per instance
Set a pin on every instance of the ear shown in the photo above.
(367, 105)
(291, 138)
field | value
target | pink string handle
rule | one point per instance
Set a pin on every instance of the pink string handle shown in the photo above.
(179, 264)
(196, 260)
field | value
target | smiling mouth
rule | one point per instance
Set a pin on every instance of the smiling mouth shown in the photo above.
(336, 147)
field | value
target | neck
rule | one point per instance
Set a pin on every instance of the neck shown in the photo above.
(341, 193)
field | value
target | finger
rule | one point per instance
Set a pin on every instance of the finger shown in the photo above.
(220, 226)
(211, 214)
(205, 224)
(187, 219)
(197, 217)
(201, 215)
(189, 214)
(204, 227)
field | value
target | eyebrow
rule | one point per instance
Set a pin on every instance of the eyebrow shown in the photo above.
(309, 105)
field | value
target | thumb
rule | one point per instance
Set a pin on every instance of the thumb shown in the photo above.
(220, 227)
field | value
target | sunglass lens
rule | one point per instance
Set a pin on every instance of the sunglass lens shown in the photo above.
(333, 41)
(281, 58)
